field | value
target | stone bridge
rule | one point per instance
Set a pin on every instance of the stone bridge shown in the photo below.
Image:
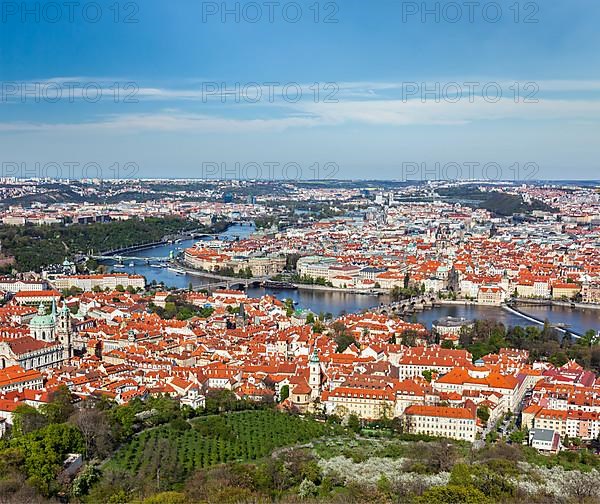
(231, 283)
(406, 306)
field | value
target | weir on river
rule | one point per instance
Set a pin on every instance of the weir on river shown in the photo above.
(530, 318)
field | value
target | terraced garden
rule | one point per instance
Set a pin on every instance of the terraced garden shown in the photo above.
(174, 451)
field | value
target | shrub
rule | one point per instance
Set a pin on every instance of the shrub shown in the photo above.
(453, 494)
(307, 489)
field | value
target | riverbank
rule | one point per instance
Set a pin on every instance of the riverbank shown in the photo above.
(378, 292)
(186, 268)
(460, 302)
(553, 302)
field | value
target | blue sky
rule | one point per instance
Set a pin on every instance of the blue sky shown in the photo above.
(179, 62)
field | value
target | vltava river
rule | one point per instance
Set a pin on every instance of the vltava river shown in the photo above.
(337, 303)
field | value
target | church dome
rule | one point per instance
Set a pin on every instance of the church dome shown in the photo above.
(41, 319)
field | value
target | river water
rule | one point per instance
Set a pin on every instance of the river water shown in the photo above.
(337, 303)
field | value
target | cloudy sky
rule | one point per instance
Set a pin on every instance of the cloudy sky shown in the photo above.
(372, 87)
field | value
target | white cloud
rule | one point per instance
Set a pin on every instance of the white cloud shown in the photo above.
(413, 112)
(165, 122)
(367, 103)
(213, 90)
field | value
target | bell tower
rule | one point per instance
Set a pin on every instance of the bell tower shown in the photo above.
(64, 331)
(314, 379)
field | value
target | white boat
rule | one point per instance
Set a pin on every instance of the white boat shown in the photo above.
(131, 265)
(118, 266)
(156, 266)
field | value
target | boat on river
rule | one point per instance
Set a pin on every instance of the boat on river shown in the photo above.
(270, 284)
(177, 271)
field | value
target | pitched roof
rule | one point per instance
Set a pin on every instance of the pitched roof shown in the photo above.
(439, 411)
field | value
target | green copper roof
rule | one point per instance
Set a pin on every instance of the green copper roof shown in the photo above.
(41, 319)
(314, 358)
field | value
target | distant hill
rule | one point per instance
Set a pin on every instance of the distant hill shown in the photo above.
(510, 204)
(60, 194)
(34, 247)
(499, 203)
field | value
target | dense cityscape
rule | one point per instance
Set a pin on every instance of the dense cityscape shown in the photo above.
(299, 252)
(117, 386)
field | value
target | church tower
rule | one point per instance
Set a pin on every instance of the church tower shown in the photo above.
(314, 380)
(64, 331)
(240, 320)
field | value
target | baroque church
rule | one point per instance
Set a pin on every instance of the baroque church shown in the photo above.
(306, 390)
(49, 342)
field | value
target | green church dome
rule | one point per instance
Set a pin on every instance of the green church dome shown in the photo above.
(41, 319)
